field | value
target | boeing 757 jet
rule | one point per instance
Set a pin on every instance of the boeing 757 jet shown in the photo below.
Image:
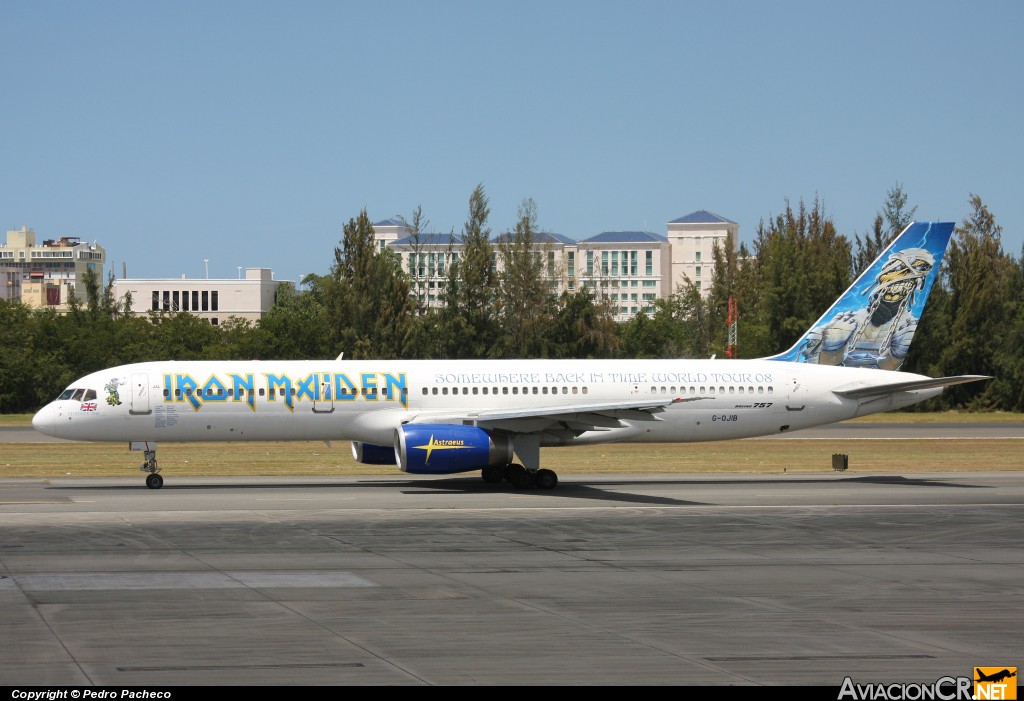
(451, 416)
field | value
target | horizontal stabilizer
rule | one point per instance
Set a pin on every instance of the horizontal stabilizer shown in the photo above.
(861, 390)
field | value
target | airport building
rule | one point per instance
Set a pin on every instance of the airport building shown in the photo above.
(213, 299)
(628, 269)
(44, 275)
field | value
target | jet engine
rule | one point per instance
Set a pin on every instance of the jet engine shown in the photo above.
(441, 449)
(370, 454)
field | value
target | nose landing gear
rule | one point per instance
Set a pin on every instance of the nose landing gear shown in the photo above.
(153, 480)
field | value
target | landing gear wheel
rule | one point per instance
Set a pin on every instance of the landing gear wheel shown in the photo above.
(520, 477)
(545, 479)
(154, 481)
(493, 474)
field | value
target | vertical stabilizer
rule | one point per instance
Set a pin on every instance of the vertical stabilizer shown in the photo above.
(873, 323)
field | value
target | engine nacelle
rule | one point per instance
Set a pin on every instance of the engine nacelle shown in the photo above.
(370, 454)
(441, 449)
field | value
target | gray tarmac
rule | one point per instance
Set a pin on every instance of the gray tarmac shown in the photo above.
(656, 579)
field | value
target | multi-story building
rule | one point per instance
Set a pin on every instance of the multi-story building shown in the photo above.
(46, 275)
(693, 239)
(213, 299)
(628, 269)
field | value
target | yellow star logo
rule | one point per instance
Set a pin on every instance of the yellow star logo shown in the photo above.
(433, 445)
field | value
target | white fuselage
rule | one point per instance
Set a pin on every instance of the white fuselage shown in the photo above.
(368, 400)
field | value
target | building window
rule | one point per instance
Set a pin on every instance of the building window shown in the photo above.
(697, 256)
(195, 300)
(649, 263)
(156, 301)
(572, 263)
(167, 301)
(590, 262)
(604, 262)
(698, 285)
(632, 262)
(214, 303)
(551, 263)
(206, 301)
(697, 271)
(184, 301)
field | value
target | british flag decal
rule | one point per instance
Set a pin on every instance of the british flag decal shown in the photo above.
(88, 406)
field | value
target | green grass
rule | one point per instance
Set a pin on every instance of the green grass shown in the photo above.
(49, 460)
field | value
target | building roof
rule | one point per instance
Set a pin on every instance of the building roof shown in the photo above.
(538, 237)
(391, 222)
(429, 240)
(702, 216)
(625, 237)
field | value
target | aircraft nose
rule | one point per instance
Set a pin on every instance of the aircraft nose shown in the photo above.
(45, 420)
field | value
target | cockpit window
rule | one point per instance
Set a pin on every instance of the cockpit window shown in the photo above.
(66, 394)
(79, 393)
(90, 395)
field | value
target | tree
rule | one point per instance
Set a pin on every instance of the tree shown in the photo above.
(525, 299)
(583, 328)
(802, 265)
(981, 281)
(888, 224)
(367, 304)
(468, 319)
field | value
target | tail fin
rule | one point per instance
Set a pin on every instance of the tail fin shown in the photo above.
(874, 321)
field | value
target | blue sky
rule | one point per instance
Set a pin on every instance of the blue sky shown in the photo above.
(246, 133)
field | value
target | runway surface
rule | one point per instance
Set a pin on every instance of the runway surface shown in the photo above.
(606, 580)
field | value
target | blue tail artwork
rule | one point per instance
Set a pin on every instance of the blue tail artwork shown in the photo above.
(873, 323)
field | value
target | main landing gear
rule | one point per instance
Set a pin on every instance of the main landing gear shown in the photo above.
(153, 480)
(520, 477)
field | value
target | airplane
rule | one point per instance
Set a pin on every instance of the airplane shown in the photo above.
(452, 416)
(996, 677)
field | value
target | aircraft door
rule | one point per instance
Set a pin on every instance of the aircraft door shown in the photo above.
(140, 401)
(796, 397)
(324, 401)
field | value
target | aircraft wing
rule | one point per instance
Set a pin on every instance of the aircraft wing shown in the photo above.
(576, 418)
(861, 390)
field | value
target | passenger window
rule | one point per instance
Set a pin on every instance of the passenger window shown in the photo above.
(434, 391)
